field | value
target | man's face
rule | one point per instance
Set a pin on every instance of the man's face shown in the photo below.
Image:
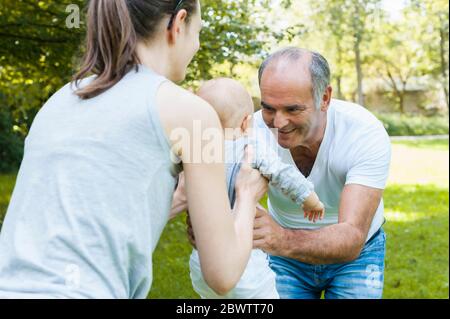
(288, 105)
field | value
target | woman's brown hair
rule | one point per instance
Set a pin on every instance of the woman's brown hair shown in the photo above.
(114, 28)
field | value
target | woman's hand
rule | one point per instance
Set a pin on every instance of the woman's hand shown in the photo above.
(179, 202)
(249, 181)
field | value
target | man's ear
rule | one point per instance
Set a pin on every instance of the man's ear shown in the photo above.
(178, 23)
(326, 99)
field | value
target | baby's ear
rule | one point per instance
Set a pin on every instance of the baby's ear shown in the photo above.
(247, 124)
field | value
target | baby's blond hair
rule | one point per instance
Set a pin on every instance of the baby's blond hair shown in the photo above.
(229, 98)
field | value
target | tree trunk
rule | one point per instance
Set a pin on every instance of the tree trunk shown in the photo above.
(401, 102)
(339, 71)
(399, 92)
(401, 95)
(444, 65)
(232, 66)
(339, 87)
(359, 73)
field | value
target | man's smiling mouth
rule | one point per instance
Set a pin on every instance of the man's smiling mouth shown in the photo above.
(286, 132)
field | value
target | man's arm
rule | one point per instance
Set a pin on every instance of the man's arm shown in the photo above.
(337, 243)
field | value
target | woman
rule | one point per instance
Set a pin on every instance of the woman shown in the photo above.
(94, 190)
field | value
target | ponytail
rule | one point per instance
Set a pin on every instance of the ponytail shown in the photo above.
(114, 28)
(111, 46)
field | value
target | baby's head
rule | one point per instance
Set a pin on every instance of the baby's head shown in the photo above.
(232, 103)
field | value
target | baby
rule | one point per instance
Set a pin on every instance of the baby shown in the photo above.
(234, 106)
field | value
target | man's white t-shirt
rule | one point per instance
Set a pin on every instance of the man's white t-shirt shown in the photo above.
(355, 150)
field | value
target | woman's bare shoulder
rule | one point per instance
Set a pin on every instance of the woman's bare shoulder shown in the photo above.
(178, 107)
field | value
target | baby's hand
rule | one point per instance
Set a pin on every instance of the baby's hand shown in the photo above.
(314, 213)
(313, 208)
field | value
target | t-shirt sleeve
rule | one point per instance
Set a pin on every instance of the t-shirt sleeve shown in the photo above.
(285, 177)
(371, 159)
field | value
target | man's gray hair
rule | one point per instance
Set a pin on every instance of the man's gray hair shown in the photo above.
(319, 69)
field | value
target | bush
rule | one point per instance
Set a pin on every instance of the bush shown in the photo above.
(414, 125)
(11, 144)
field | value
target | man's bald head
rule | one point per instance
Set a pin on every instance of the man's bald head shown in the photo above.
(310, 64)
(229, 98)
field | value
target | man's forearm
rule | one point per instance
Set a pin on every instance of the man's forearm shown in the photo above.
(337, 243)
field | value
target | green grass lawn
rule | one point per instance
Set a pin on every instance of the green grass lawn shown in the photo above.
(417, 214)
(6, 187)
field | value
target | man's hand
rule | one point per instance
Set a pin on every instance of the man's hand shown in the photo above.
(267, 234)
(336, 243)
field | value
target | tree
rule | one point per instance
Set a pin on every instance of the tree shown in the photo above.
(235, 33)
(230, 35)
(433, 18)
(328, 17)
(40, 46)
(413, 47)
(39, 53)
(346, 26)
(36, 54)
(397, 58)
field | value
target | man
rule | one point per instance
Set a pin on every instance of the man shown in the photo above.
(345, 152)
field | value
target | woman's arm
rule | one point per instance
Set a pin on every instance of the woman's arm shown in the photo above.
(224, 240)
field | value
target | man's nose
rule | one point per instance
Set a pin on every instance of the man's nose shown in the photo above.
(279, 120)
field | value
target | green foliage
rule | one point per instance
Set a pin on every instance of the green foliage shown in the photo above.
(36, 58)
(11, 144)
(229, 35)
(36, 52)
(414, 125)
(7, 182)
(39, 53)
(394, 51)
(235, 33)
(347, 26)
(434, 144)
(402, 51)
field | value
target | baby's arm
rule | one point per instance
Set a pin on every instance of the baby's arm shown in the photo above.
(283, 176)
(313, 208)
(287, 178)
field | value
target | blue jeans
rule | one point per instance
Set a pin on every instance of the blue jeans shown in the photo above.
(360, 279)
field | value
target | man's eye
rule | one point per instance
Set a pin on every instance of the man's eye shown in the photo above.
(268, 109)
